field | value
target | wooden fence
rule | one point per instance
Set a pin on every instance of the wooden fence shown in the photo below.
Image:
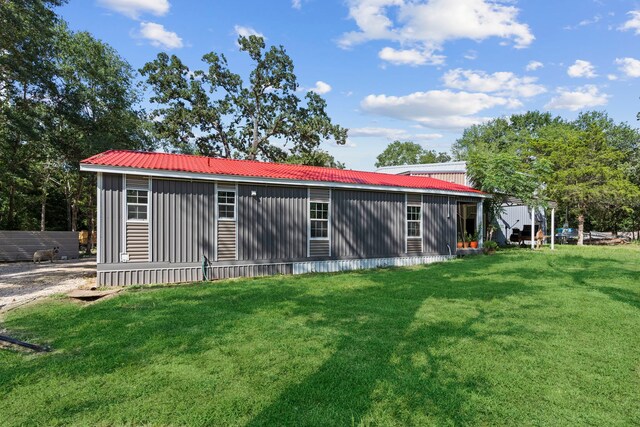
(20, 245)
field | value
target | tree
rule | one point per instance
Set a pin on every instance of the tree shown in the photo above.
(94, 110)
(409, 153)
(64, 96)
(586, 172)
(213, 112)
(27, 69)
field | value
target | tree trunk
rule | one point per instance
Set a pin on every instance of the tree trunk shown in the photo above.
(43, 209)
(581, 229)
(12, 207)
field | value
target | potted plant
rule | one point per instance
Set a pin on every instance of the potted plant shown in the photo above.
(460, 241)
(474, 240)
(490, 247)
(466, 240)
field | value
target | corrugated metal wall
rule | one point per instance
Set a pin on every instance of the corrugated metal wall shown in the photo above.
(516, 217)
(110, 225)
(273, 224)
(20, 245)
(367, 224)
(455, 177)
(145, 276)
(183, 221)
(439, 224)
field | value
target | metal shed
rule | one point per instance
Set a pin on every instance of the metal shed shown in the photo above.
(173, 218)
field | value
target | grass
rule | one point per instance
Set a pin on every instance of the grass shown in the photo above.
(520, 338)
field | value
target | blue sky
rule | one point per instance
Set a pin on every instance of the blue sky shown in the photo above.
(418, 70)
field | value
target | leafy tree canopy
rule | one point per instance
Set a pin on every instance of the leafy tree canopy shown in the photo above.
(409, 153)
(214, 112)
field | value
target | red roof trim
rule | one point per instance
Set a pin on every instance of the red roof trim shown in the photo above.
(256, 169)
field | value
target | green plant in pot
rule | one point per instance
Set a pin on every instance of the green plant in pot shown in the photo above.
(474, 240)
(460, 243)
(466, 240)
(489, 247)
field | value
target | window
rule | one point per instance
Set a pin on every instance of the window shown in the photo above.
(319, 215)
(227, 205)
(413, 221)
(137, 204)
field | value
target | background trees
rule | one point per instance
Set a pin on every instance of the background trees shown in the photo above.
(64, 96)
(213, 111)
(408, 153)
(587, 165)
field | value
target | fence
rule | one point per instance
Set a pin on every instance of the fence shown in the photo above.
(20, 245)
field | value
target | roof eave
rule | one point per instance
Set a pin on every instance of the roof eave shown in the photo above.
(87, 167)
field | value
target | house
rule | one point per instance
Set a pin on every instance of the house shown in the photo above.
(514, 223)
(166, 218)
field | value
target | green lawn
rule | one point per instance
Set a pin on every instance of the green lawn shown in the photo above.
(518, 338)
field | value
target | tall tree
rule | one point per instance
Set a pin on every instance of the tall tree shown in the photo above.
(586, 169)
(213, 112)
(27, 69)
(409, 153)
(94, 110)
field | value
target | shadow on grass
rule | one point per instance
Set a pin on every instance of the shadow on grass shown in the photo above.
(379, 356)
(385, 363)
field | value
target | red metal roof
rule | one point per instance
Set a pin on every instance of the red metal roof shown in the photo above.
(249, 168)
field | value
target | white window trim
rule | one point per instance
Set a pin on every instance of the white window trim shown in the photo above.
(406, 212)
(325, 239)
(126, 202)
(328, 220)
(235, 204)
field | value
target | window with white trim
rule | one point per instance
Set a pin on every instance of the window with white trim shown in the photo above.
(319, 220)
(414, 222)
(137, 205)
(227, 205)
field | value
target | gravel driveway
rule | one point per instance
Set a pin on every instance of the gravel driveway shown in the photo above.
(25, 281)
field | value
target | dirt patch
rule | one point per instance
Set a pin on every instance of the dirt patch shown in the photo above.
(24, 282)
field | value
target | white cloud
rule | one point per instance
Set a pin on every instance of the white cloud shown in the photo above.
(471, 55)
(134, 8)
(246, 31)
(296, 4)
(423, 27)
(501, 83)
(581, 68)
(612, 77)
(321, 88)
(391, 134)
(629, 66)
(159, 36)
(587, 96)
(534, 65)
(440, 109)
(409, 56)
(633, 23)
(584, 23)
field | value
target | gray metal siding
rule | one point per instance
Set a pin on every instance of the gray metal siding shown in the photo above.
(179, 274)
(110, 234)
(183, 221)
(272, 224)
(366, 224)
(516, 217)
(439, 224)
